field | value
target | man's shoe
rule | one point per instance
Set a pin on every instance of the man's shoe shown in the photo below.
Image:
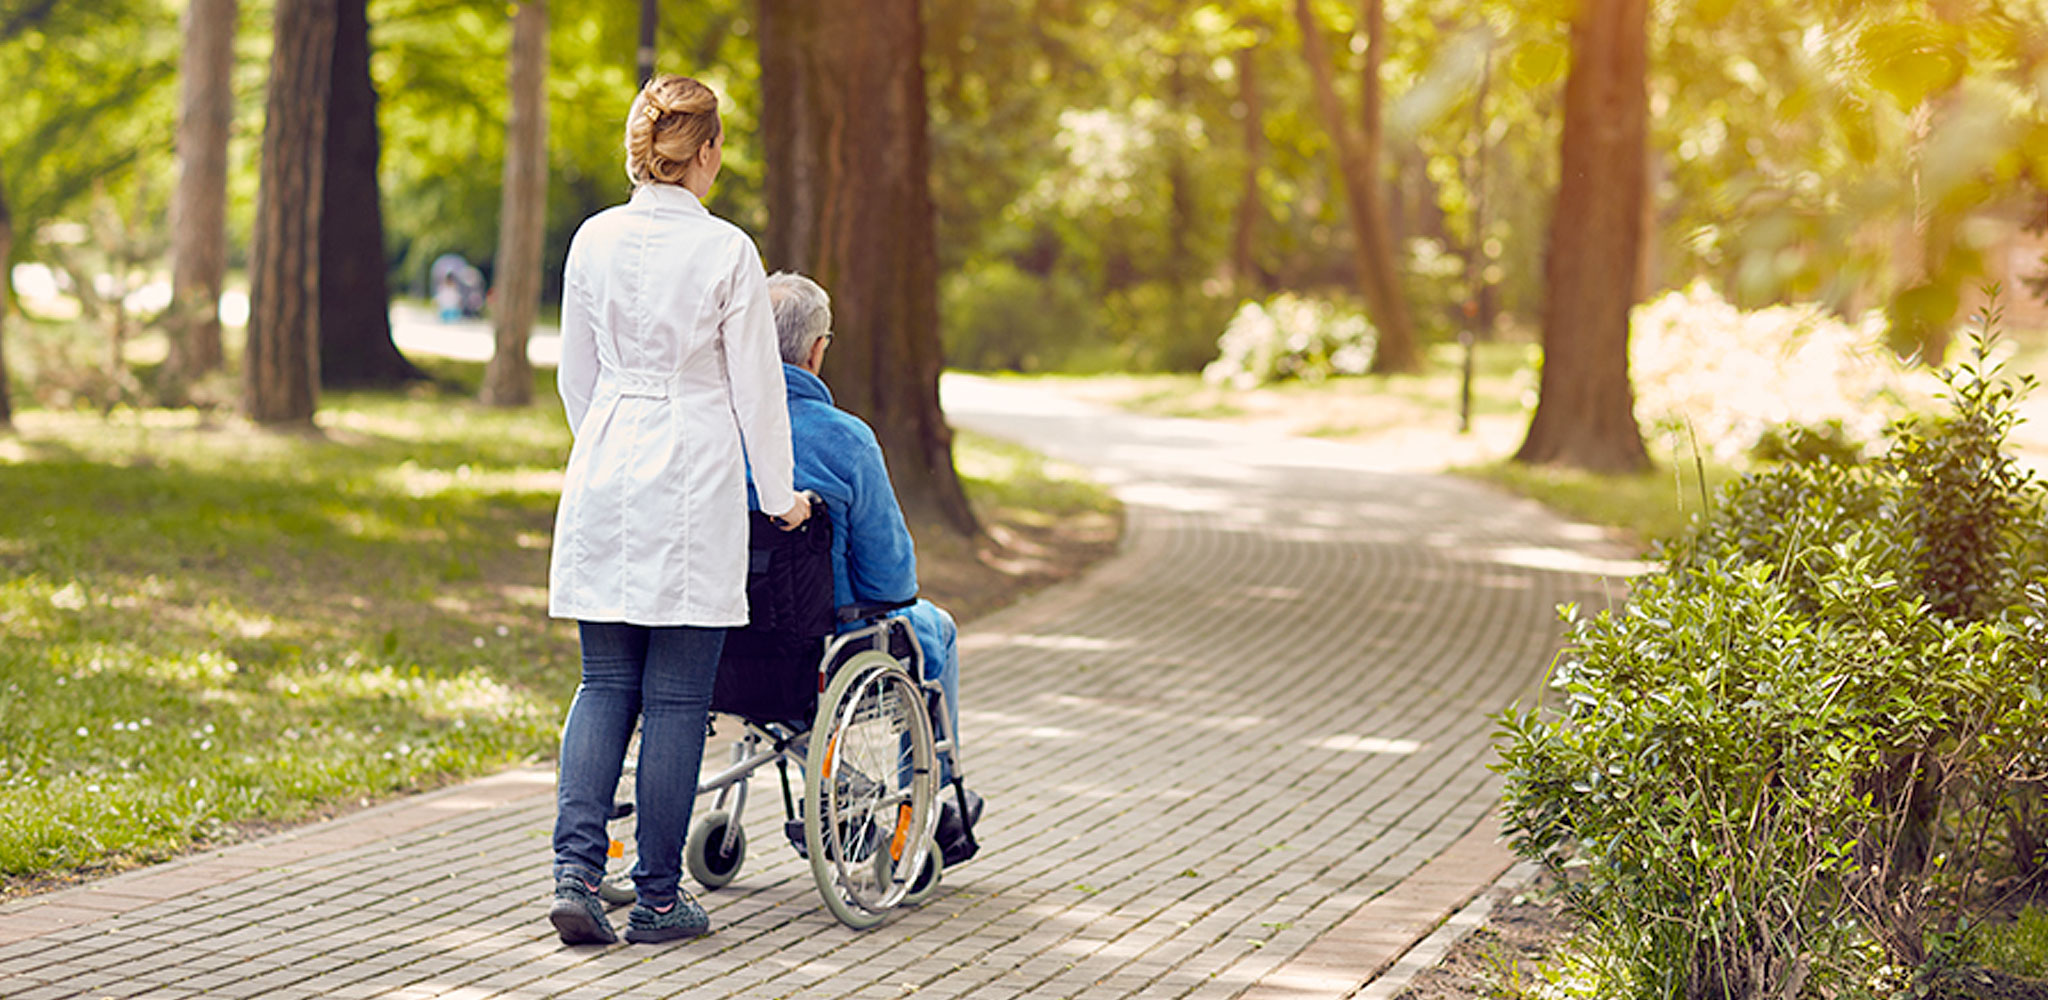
(683, 918)
(955, 836)
(578, 914)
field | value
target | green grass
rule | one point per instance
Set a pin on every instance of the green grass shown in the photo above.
(2019, 947)
(1022, 485)
(213, 626)
(1650, 507)
(212, 629)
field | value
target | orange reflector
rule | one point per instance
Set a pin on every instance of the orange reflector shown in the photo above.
(902, 832)
(616, 850)
(831, 749)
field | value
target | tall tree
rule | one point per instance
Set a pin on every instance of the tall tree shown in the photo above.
(281, 381)
(643, 56)
(6, 303)
(199, 235)
(849, 203)
(508, 379)
(355, 298)
(1251, 206)
(1585, 409)
(1358, 158)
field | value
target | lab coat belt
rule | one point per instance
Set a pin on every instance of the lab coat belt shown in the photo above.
(647, 384)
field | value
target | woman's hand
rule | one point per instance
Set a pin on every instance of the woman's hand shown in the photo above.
(794, 518)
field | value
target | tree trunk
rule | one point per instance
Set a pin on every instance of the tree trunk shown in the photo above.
(199, 235)
(355, 297)
(522, 213)
(6, 303)
(849, 203)
(1180, 197)
(1481, 304)
(1585, 409)
(1372, 16)
(281, 380)
(643, 57)
(1251, 206)
(1358, 164)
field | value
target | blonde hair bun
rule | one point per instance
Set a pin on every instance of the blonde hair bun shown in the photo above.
(671, 119)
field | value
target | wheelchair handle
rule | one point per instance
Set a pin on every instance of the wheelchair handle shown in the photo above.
(868, 610)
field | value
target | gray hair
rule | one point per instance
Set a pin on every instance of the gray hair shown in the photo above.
(803, 314)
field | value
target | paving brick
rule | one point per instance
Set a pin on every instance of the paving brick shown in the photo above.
(1266, 720)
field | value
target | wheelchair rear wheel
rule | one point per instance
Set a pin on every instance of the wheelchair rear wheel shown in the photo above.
(870, 785)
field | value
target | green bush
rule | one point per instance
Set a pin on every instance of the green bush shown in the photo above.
(999, 317)
(1291, 337)
(1725, 377)
(1806, 443)
(1791, 763)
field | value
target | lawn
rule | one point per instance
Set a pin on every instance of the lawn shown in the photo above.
(214, 629)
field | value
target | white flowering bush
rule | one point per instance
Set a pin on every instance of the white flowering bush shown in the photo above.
(1702, 367)
(1291, 337)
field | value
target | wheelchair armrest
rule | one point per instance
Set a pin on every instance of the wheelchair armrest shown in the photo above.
(870, 610)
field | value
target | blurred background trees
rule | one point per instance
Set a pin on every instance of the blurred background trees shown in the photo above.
(1110, 181)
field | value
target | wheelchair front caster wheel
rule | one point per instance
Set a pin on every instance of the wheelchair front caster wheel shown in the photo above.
(617, 890)
(920, 887)
(712, 863)
(927, 880)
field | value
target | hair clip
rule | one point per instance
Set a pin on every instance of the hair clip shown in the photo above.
(653, 113)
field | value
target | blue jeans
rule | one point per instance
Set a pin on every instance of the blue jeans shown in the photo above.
(662, 677)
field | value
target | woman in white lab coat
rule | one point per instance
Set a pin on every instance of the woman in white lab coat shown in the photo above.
(673, 386)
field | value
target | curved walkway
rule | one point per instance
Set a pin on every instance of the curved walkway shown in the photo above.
(1245, 757)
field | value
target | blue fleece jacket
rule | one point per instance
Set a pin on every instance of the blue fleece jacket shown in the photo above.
(838, 458)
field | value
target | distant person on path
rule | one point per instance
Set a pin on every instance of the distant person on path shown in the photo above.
(874, 558)
(448, 299)
(670, 380)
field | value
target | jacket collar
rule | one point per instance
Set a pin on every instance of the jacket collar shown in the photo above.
(804, 385)
(669, 195)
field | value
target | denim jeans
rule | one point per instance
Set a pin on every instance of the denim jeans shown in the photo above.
(938, 638)
(662, 677)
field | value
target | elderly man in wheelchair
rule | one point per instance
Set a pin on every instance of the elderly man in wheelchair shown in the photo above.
(874, 560)
(842, 669)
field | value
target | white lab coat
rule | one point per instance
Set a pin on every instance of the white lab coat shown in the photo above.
(670, 374)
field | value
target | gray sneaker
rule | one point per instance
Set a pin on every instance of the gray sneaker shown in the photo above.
(578, 915)
(683, 918)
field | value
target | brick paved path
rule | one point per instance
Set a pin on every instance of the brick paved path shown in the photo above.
(1246, 757)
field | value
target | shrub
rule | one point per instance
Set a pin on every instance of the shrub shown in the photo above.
(1791, 763)
(1291, 337)
(1807, 443)
(1728, 377)
(1154, 327)
(997, 316)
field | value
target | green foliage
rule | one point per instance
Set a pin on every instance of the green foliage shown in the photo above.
(1807, 443)
(1698, 779)
(997, 316)
(1793, 760)
(98, 114)
(1163, 327)
(1968, 505)
(2019, 947)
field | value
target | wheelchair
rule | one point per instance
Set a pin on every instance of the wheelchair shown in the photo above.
(852, 711)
